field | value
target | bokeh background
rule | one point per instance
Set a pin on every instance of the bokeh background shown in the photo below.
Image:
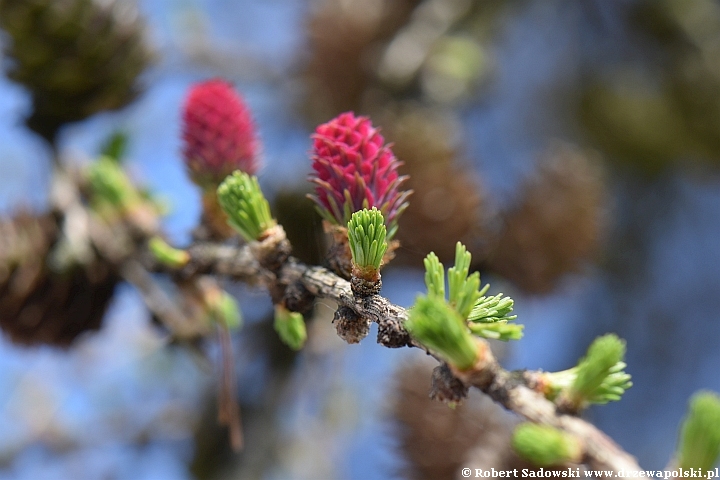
(573, 146)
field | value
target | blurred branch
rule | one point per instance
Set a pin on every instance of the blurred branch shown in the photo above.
(156, 299)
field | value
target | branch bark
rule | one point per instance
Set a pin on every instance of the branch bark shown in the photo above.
(513, 390)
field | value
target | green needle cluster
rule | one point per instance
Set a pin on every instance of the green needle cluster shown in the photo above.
(490, 316)
(463, 289)
(600, 376)
(434, 276)
(115, 146)
(545, 446)
(700, 433)
(501, 330)
(613, 387)
(366, 233)
(245, 205)
(487, 317)
(494, 308)
(438, 326)
(610, 390)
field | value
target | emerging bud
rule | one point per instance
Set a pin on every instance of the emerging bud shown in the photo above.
(247, 209)
(350, 326)
(598, 378)
(114, 197)
(439, 327)
(354, 169)
(545, 446)
(218, 133)
(167, 255)
(446, 387)
(290, 327)
(700, 434)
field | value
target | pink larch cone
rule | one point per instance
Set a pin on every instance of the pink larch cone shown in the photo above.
(218, 133)
(354, 169)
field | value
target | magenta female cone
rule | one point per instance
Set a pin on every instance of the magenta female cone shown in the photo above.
(354, 169)
(219, 137)
(218, 134)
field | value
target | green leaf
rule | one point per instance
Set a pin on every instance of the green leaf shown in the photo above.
(230, 311)
(699, 445)
(545, 446)
(226, 310)
(247, 209)
(435, 324)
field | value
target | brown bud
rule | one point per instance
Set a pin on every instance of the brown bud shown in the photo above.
(446, 387)
(273, 248)
(298, 298)
(350, 326)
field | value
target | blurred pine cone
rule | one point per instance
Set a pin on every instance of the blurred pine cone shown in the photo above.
(342, 37)
(38, 306)
(437, 440)
(662, 109)
(557, 224)
(77, 57)
(447, 204)
(689, 33)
